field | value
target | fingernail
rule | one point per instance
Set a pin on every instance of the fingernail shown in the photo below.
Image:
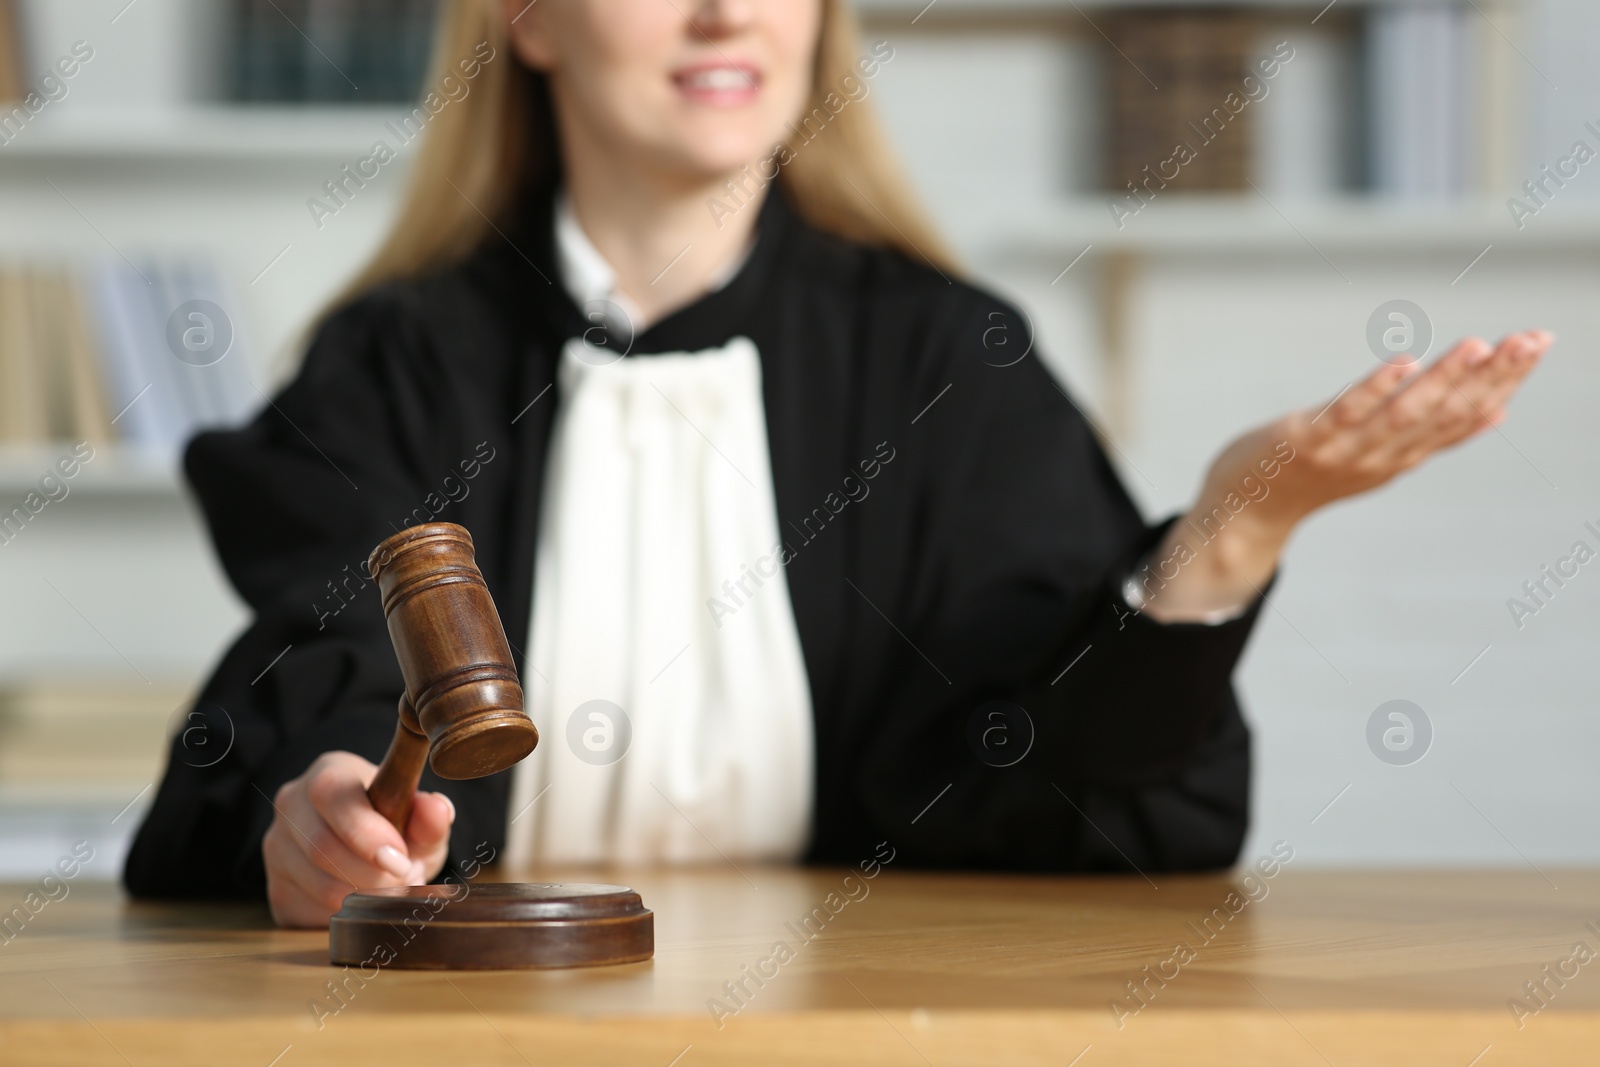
(449, 804)
(393, 860)
(1480, 354)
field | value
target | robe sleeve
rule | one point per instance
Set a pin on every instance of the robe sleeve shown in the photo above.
(1139, 757)
(295, 501)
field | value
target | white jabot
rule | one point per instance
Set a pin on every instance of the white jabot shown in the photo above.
(661, 617)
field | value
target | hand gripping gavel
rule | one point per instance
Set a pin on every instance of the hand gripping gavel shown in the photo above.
(462, 710)
(462, 713)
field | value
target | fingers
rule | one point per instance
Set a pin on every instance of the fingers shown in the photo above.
(1408, 413)
(1360, 400)
(1513, 367)
(1473, 392)
(359, 837)
(299, 893)
(1438, 406)
(1476, 401)
(1400, 414)
(1385, 412)
(326, 840)
(1410, 428)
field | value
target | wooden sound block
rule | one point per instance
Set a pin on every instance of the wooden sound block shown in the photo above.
(493, 926)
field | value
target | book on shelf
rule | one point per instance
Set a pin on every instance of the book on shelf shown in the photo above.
(48, 389)
(1169, 87)
(332, 51)
(1307, 142)
(73, 402)
(144, 313)
(1419, 92)
(101, 361)
(1385, 98)
(13, 70)
(19, 413)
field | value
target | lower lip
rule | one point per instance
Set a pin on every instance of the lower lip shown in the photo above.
(736, 96)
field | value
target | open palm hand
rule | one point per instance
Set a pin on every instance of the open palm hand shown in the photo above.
(1217, 557)
(1385, 424)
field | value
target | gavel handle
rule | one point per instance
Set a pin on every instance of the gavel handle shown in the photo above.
(395, 786)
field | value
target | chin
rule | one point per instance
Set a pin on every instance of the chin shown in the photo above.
(717, 152)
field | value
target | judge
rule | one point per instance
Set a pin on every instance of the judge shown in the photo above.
(791, 531)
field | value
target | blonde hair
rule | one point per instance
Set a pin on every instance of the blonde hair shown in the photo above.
(486, 150)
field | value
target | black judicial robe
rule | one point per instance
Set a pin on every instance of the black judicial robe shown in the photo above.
(981, 562)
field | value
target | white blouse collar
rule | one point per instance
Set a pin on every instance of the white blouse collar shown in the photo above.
(584, 271)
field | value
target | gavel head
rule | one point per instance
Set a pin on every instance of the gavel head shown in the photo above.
(459, 675)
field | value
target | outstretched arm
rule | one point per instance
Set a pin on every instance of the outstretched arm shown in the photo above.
(1219, 555)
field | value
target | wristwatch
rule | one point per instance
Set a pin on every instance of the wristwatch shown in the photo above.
(1133, 596)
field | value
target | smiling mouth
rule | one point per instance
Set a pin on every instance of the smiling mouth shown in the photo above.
(720, 83)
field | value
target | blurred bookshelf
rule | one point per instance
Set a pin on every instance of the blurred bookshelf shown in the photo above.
(117, 469)
(326, 51)
(267, 91)
(200, 129)
(78, 762)
(98, 138)
(964, 9)
(1299, 98)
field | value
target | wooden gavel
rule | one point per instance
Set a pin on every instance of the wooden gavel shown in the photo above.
(462, 710)
(462, 713)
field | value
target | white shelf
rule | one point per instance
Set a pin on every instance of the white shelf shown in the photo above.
(115, 468)
(327, 135)
(966, 9)
(245, 134)
(1198, 224)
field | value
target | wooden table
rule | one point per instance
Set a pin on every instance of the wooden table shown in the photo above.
(1325, 968)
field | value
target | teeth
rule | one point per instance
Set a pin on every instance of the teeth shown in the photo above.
(720, 79)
